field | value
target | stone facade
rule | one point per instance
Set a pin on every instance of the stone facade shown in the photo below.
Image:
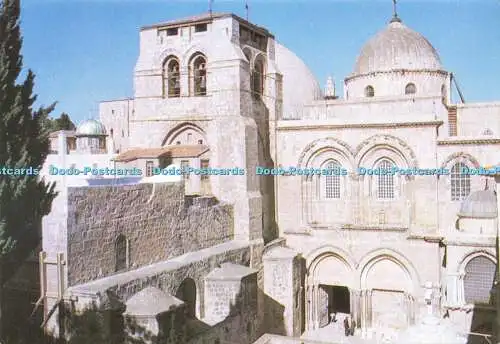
(389, 249)
(157, 223)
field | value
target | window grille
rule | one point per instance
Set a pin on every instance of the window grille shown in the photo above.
(385, 183)
(478, 280)
(332, 183)
(460, 182)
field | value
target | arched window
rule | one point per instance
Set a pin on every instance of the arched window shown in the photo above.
(478, 280)
(385, 181)
(258, 77)
(369, 91)
(198, 68)
(121, 253)
(410, 88)
(172, 80)
(460, 182)
(332, 182)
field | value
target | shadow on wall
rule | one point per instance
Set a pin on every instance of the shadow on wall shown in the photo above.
(269, 225)
(108, 324)
(482, 325)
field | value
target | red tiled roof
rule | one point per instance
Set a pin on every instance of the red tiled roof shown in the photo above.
(174, 151)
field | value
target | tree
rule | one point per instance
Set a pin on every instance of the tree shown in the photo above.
(24, 143)
(64, 122)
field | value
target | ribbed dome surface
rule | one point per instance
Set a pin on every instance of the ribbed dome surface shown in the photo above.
(480, 204)
(91, 127)
(397, 47)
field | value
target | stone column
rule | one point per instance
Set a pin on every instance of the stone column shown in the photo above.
(308, 307)
(316, 308)
(313, 307)
(460, 290)
(355, 307)
(408, 309)
(363, 312)
(451, 289)
(369, 309)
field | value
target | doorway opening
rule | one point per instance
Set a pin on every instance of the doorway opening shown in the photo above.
(333, 299)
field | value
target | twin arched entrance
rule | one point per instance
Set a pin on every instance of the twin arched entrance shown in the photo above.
(376, 293)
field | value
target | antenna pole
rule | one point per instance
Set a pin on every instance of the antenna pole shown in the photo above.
(210, 3)
(246, 9)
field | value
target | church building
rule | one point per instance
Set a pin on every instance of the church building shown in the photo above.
(398, 228)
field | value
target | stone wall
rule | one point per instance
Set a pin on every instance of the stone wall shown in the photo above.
(158, 222)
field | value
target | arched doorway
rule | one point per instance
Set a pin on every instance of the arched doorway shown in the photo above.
(187, 293)
(387, 288)
(329, 290)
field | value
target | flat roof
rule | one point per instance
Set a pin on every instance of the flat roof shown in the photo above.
(205, 18)
(172, 151)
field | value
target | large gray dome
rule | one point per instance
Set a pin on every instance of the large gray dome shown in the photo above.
(91, 127)
(397, 47)
(480, 205)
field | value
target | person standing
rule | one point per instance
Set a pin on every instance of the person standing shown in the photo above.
(346, 326)
(353, 327)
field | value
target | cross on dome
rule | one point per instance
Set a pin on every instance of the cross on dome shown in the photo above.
(395, 17)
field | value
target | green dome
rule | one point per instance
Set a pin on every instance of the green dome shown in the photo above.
(91, 127)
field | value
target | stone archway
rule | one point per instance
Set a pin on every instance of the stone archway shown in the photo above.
(330, 285)
(387, 288)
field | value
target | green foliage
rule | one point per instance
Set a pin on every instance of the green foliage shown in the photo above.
(96, 325)
(61, 123)
(24, 142)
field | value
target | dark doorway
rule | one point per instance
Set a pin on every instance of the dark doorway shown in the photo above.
(187, 293)
(338, 298)
(332, 299)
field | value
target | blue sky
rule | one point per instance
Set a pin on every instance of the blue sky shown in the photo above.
(85, 51)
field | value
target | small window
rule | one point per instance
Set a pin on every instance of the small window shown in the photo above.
(178, 143)
(111, 132)
(173, 31)
(123, 133)
(200, 28)
(184, 168)
(112, 112)
(369, 91)
(189, 138)
(200, 142)
(410, 89)
(149, 168)
(204, 164)
(121, 253)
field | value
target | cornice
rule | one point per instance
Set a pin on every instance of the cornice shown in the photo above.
(318, 126)
(396, 71)
(468, 142)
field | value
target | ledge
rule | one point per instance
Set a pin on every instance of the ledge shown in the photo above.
(388, 228)
(299, 124)
(471, 141)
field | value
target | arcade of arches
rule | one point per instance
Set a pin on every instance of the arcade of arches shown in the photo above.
(378, 294)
